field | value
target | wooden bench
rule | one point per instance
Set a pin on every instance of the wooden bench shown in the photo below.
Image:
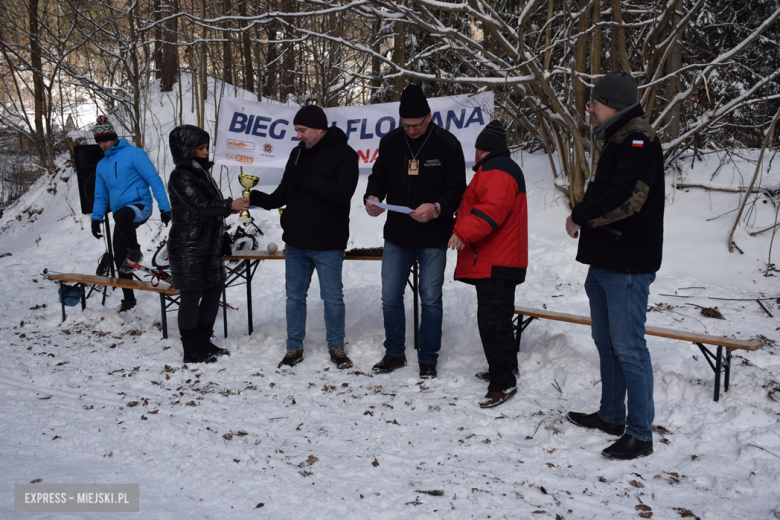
(721, 365)
(168, 295)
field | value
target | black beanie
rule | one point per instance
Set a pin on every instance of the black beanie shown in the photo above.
(492, 137)
(413, 103)
(311, 116)
(616, 89)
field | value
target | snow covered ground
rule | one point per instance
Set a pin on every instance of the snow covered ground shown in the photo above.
(101, 398)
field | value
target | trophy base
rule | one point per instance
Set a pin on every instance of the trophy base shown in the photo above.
(244, 220)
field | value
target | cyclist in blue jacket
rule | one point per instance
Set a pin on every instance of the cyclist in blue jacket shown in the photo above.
(122, 181)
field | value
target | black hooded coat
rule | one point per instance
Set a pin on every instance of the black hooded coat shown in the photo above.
(198, 212)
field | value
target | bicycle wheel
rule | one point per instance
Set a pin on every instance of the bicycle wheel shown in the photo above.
(243, 243)
(160, 258)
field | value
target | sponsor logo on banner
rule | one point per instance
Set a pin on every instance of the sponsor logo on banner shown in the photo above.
(240, 145)
(267, 148)
(239, 158)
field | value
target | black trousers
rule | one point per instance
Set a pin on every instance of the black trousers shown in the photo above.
(495, 310)
(125, 238)
(199, 305)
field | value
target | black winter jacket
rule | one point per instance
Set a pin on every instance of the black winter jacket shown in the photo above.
(441, 178)
(198, 212)
(622, 212)
(317, 187)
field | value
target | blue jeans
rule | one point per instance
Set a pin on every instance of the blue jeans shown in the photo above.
(618, 308)
(396, 264)
(299, 264)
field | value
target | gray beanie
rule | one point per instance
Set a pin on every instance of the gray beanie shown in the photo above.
(616, 90)
(492, 137)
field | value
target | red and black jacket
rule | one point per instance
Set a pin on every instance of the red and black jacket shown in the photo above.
(493, 222)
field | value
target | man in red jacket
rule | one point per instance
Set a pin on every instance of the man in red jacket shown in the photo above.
(491, 237)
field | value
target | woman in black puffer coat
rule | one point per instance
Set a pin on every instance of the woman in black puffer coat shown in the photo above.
(195, 247)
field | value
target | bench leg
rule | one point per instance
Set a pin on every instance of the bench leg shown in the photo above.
(250, 326)
(414, 284)
(519, 326)
(224, 309)
(722, 365)
(718, 370)
(163, 316)
(62, 302)
(83, 296)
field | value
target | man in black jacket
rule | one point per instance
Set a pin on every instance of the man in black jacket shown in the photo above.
(420, 166)
(317, 186)
(621, 221)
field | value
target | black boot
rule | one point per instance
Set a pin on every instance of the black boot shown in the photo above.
(205, 332)
(194, 350)
(134, 257)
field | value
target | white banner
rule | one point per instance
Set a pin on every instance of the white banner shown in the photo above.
(262, 134)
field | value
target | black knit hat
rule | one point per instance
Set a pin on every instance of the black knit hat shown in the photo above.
(104, 130)
(311, 116)
(616, 89)
(413, 103)
(492, 137)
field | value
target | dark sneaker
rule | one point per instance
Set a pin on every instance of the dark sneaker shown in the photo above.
(388, 364)
(427, 370)
(594, 422)
(340, 358)
(291, 358)
(628, 447)
(205, 333)
(126, 305)
(198, 356)
(217, 351)
(493, 399)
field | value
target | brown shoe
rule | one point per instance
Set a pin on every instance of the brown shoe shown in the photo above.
(484, 376)
(291, 358)
(493, 399)
(340, 358)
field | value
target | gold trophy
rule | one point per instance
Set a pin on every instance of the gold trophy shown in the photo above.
(248, 182)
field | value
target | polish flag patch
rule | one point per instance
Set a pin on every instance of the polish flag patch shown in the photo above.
(638, 144)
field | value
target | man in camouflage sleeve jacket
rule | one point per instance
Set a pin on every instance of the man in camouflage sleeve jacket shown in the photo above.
(621, 221)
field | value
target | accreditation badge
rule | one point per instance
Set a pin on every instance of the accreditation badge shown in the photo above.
(414, 167)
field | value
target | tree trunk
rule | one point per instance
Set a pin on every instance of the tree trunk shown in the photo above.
(170, 66)
(38, 90)
(595, 56)
(138, 137)
(673, 64)
(288, 60)
(580, 67)
(619, 36)
(227, 48)
(246, 40)
(376, 64)
(271, 63)
(158, 38)
(399, 58)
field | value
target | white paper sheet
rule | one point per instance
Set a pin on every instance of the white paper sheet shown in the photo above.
(391, 207)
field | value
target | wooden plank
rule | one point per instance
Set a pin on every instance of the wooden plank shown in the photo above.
(694, 337)
(279, 255)
(92, 279)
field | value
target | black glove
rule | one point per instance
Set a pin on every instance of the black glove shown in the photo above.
(96, 229)
(165, 216)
